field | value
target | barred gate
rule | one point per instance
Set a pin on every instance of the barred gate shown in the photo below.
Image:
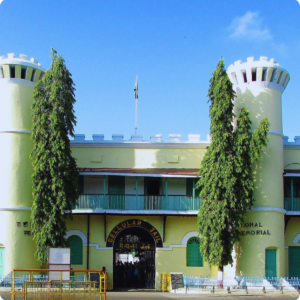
(60, 290)
(30, 285)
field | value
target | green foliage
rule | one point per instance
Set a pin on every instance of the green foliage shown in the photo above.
(227, 172)
(54, 178)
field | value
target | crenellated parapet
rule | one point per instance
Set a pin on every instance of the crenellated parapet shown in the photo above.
(261, 73)
(12, 67)
(294, 144)
(119, 138)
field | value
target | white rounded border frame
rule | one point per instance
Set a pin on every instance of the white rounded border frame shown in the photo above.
(188, 236)
(84, 239)
(78, 233)
(296, 240)
(184, 241)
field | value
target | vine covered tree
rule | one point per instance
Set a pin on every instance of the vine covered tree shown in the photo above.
(227, 172)
(55, 175)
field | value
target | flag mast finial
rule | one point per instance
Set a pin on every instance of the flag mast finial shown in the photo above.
(136, 96)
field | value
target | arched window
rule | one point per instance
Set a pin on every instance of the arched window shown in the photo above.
(193, 256)
(75, 243)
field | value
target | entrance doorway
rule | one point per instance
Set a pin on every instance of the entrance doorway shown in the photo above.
(294, 261)
(271, 263)
(134, 259)
(153, 200)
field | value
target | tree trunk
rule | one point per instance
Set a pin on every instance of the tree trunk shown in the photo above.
(220, 277)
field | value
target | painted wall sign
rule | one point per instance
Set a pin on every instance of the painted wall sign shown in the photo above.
(254, 232)
(134, 223)
(135, 246)
(252, 225)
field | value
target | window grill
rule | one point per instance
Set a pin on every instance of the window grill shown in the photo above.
(193, 256)
(76, 245)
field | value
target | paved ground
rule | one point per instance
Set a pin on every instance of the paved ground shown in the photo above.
(168, 296)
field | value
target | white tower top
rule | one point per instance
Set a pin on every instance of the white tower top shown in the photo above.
(11, 59)
(255, 75)
(20, 69)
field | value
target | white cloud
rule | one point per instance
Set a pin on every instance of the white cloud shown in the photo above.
(249, 26)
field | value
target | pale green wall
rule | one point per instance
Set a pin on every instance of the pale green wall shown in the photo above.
(265, 105)
(291, 159)
(251, 248)
(269, 182)
(138, 158)
(15, 173)
(19, 248)
(291, 231)
(166, 260)
(264, 102)
(15, 110)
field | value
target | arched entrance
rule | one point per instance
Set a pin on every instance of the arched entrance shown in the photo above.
(134, 243)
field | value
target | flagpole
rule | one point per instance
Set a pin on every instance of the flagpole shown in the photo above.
(135, 116)
(136, 96)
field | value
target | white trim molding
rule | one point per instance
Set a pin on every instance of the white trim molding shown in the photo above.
(171, 247)
(276, 132)
(126, 144)
(100, 248)
(134, 212)
(183, 241)
(296, 240)
(78, 233)
(137, 174)
(292, 213)
(19, 80)
(188, 236)
(269, 209)
(15, 131)
(84, 239)
(291, 175)
(15, 208)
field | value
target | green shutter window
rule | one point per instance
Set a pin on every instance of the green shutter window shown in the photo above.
(193, 256)
(270, 264)
(116, 185)
(189, 186)
(294, 261)
(116, 192)
(75, 243)
(80, 184)
(296, 193)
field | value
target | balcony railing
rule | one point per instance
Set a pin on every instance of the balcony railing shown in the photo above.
(141, 202)
(292, 204)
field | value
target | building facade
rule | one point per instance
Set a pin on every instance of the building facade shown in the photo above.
(138, 204)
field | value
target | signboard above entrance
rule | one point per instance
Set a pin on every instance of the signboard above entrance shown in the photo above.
(134, 223)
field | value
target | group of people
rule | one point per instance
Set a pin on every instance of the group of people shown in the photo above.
(132, 275)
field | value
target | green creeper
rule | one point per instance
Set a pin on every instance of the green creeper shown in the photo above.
(227, 172)
(55, 175)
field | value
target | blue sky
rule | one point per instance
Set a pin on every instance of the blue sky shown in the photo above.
(172, 45)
